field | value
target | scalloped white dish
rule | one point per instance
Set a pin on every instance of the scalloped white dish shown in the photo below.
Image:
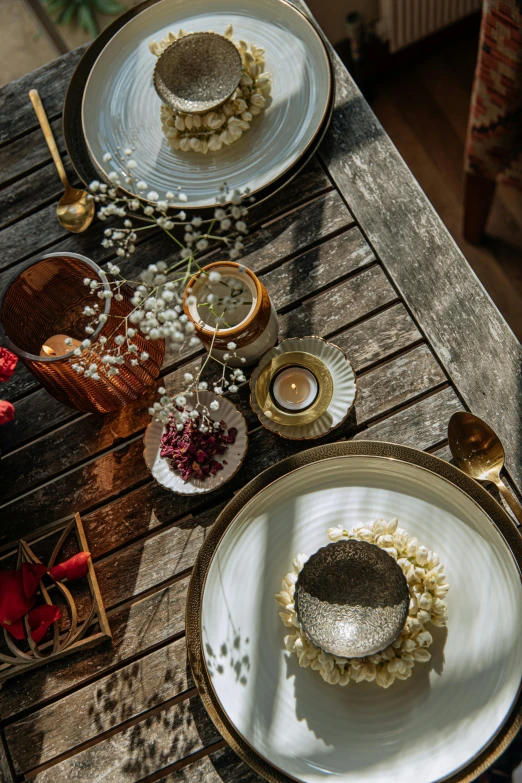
(344, 393)
(233, 456)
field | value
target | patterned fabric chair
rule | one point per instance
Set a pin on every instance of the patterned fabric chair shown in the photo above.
(494, 140)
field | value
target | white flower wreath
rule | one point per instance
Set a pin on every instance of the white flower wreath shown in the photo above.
(209, 132)
(428, 589)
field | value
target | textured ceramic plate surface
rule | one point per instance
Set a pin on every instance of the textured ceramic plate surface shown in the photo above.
(234, 455)
(418, 731)
(344, 393)
(121, 107)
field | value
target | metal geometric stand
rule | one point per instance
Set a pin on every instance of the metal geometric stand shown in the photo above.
(77, 636)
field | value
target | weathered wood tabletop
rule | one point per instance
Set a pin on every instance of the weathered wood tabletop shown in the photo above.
(350, 250)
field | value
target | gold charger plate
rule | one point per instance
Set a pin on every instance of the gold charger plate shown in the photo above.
(72, 125)
(453, 482)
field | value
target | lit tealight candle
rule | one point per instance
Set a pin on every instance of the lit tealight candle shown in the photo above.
(56, 345)
(294, 388)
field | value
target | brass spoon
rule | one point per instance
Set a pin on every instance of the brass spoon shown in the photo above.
(477, 451)
(75, 210)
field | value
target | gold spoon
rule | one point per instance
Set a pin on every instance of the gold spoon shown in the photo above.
(75, 210)
(477, 451)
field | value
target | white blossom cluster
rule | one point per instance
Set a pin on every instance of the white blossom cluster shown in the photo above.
(228, 225)
(222, 127)
(157, 314)
(428, 590)
(222, 305)
(146, 210)
(176, 410)
(156, 296)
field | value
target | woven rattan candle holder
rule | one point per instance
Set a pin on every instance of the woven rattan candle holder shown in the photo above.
(47, 298)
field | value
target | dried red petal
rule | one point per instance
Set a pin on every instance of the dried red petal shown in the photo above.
(7, 364)
(7, 412)
(13, 601)
(31, 575)
(40, 618)
(192, 452)
(73, 568)
(16, 629)
(232, 435)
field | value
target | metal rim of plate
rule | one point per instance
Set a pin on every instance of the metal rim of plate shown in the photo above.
(480, 496)
(72, 126)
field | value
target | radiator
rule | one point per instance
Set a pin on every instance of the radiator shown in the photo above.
(404, 22)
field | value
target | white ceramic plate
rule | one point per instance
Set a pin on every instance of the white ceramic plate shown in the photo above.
(121, 108)
(417, 731)
(234, 455)
(344, 394)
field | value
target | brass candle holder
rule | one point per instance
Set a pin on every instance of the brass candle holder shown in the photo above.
(264, 388)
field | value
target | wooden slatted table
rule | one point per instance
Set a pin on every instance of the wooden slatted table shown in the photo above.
(351, 250)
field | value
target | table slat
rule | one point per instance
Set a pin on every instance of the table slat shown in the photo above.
(223, 766)
(18, 200)
(421, 426)
(22, 157)
(476, 346)
(17, 115)
(161, 739)
(100, 707)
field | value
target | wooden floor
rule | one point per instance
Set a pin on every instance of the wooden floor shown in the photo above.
(424, 109)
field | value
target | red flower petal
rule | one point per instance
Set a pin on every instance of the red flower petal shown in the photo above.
(7, 364)
(74, 568)
(16, 629)
(40, 619)
(13, 601)
(31, 575)
(7, 412)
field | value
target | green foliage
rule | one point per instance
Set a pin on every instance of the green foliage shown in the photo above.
(82, 12)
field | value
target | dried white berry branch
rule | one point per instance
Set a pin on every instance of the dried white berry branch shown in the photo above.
(157, 293)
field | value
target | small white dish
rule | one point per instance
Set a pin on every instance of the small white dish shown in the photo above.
(344, 391)
(234, 455)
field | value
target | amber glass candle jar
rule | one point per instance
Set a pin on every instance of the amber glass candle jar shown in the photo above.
(252, 327)
(47, 299)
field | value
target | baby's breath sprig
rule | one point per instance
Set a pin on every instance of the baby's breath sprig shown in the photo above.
(176, 411)
(157, 291)
(145, 210)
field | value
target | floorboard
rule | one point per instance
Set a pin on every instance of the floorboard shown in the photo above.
(424, 110)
